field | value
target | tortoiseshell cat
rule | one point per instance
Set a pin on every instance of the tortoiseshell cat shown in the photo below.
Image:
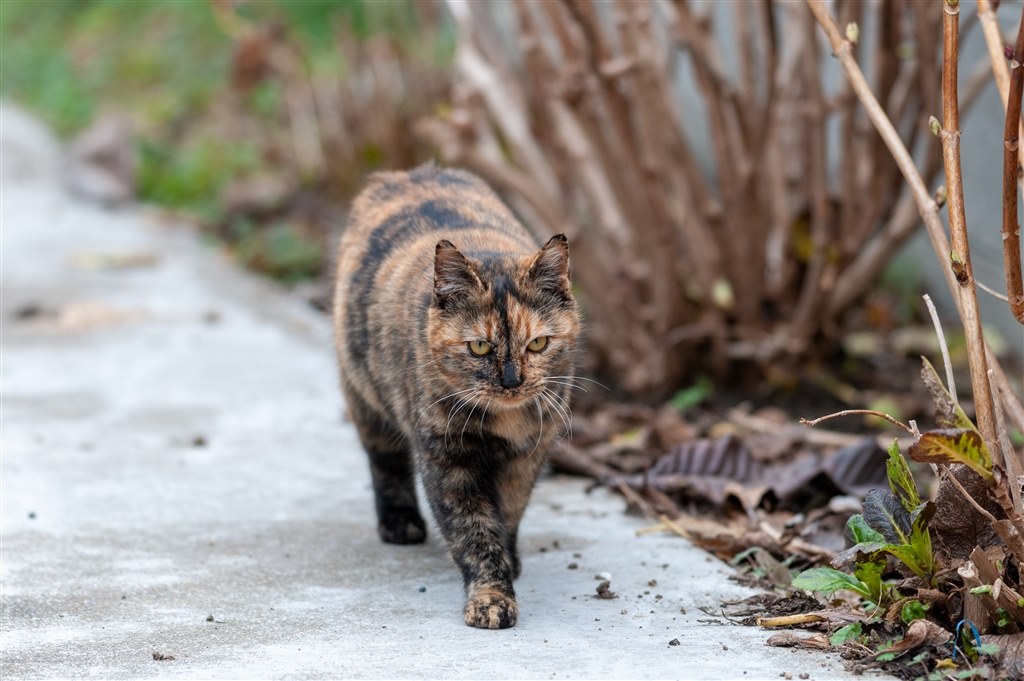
(456, 361)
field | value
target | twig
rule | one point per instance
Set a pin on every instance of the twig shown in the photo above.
(997, 57)
(1011, 169)
(852, 412)
(671, 524)
(991, 291)
(789, 620)
(925, 203)
(822, 437)
(950, 383)
(961, 254)
(634, 498)
(966, 495)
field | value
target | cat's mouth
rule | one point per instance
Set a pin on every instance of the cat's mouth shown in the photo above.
(510, 400)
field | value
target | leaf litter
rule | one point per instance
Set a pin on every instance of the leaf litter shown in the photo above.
(833, 526)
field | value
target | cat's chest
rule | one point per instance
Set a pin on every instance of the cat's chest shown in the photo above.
(518, 426)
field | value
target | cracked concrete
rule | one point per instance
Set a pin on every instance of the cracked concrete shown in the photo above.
(177, 478)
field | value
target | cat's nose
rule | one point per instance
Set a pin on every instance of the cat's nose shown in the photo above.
(509, 377)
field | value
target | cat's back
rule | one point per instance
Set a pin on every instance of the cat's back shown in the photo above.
(385, 261)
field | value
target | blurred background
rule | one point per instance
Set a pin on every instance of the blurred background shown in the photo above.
(738, 230)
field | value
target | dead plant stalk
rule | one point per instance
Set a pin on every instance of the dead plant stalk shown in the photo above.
(1011, 160)
(961, 254)
(929, 211)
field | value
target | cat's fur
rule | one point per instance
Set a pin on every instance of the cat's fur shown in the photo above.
(407, 305)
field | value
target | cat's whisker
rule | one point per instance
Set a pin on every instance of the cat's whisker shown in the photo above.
(469, 417)
(426, 364)
(440, 399)
(568, 412)
(566, 420)
(566, 383)
(483, 412)
(581, 378)
(540, 431)
(459, 406)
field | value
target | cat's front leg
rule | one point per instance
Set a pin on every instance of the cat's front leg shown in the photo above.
(464, 498)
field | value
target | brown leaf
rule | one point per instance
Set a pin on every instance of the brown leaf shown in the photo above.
(948, 413)
(957, 527)
(1011, 652)
(726, 457)
(920, 632)
(788, 639)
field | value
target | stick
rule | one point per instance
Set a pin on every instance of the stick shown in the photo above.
(926, 204)
(961, 254)
(966, 495)
(788, 620)
(1011, 162)
(950, 383)
(851, 412)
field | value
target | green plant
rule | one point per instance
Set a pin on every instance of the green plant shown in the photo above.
(894, 523)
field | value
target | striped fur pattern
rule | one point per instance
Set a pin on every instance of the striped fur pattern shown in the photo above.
(456, 338)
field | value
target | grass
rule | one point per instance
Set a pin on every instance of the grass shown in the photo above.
(67, 60)
(166, 66)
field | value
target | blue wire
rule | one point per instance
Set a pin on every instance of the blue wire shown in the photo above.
(956, 636)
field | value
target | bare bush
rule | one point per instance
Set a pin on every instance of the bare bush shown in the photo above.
(753, 253)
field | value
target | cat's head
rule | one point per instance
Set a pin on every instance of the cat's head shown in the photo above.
(502, 326)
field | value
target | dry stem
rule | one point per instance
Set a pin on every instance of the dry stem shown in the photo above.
(851, 412)
(961, 254)
(925, 203)
(950, 382)
(1011, 169)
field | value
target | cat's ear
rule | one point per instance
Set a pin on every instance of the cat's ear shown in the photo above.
(549, 270)
(454, 276)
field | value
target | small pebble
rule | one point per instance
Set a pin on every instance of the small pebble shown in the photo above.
(674, 642)
(573, 566)
(422, 589)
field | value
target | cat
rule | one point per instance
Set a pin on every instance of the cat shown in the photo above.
(456, 362)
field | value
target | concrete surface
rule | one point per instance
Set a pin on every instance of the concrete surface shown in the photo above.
(176, 478)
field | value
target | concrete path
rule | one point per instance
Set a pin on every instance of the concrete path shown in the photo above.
(177, 479)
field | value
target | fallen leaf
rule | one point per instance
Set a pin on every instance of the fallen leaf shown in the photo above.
(1011, 652)
(788, 639)
(920, 632)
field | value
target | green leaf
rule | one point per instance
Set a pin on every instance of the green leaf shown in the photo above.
(921, 538)
(886, 657)
(692, 396)
(901, 481)
(858, 531)
(948, 413)
(954, 445)
(913, 610)
(869, 571)
(827, 580)
(983, 589)
(884, 513)
(906, 554)
(851, 632)
(988, 649)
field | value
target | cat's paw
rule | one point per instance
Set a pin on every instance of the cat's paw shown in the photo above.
(491, 609)
(402, 528)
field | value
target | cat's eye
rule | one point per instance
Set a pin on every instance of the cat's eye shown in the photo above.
(537, 344)
(480, 348)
